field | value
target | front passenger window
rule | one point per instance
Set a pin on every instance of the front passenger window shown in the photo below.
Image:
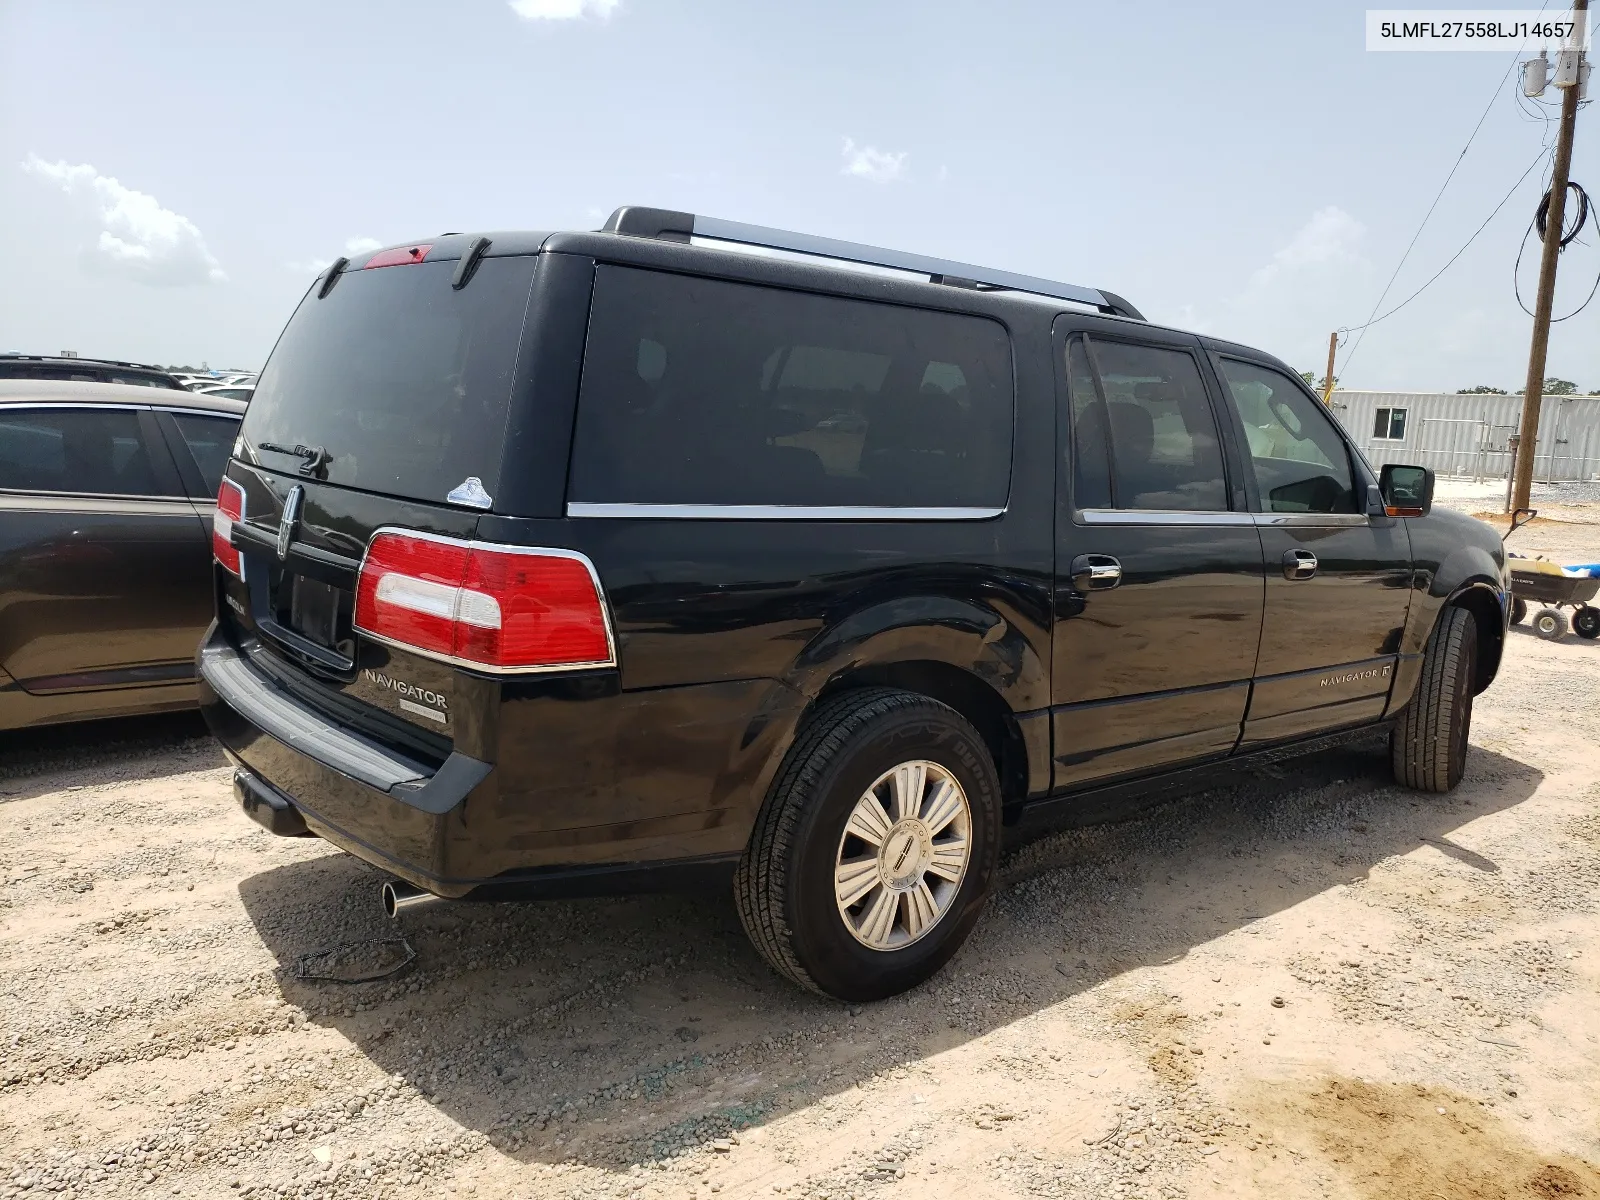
(1300, 461)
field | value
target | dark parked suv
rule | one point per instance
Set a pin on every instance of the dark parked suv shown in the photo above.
(685, 550)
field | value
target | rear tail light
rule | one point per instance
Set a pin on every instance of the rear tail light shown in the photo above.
(497, 608)
(230, 508)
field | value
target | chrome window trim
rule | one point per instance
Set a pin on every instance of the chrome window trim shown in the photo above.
(777, 512)
(608, 663)
(1303, 520)
(91, 405)
(216, 414)
(1152, 516)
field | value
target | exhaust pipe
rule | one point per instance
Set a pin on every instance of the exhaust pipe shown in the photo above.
(401, 897)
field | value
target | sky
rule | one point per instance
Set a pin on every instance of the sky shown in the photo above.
(172, 175)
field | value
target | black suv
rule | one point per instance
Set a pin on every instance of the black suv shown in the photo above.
(686, 550)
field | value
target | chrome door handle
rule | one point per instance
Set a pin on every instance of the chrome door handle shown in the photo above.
(1095, 572)
(1299, 564)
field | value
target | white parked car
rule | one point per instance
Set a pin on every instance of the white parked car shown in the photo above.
(228, 392)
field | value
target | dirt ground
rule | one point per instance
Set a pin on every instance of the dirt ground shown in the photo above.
(1307, 983)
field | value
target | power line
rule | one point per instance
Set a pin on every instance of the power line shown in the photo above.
(1372, 317)
(1543, 154)
(1540, 218)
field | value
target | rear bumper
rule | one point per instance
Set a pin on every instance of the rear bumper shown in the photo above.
(445, 828)
(300, 770)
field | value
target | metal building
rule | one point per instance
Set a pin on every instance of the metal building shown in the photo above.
(1465, 435)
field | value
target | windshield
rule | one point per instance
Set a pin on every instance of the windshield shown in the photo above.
(403, 381)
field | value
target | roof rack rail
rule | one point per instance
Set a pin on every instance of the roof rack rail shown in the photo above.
(668, 225)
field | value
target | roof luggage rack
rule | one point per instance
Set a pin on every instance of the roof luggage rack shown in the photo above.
(668, 225)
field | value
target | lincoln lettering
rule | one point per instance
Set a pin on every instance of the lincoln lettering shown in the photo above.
(1352, 676)
(409, 690)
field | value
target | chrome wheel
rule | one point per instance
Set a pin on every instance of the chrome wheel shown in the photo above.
(903, 855)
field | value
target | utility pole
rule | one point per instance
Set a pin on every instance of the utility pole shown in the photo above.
(1522, 482)
(1327, 380)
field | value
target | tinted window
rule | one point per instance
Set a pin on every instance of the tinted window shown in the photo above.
(1299, 459)
(1164, 449)
(78, 450)
(210, 440)
(402, 379)
(1091, 476)
(697, 391)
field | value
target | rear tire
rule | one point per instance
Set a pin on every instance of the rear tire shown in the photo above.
(1586, 622)
(1550, 624)
(854, 918)
(1519, 610)
(1428, 746)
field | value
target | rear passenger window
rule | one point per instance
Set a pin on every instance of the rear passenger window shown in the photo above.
(210, 441)
(1151, 406)
(74, 450)
(698, 391)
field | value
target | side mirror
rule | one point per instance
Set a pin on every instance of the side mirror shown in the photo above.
(1407, 491)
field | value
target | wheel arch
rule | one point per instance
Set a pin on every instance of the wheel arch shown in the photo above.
(1483, 601)
(977, 702)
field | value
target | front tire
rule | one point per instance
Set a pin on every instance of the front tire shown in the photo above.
(1428, 747)
(1586, 622)
(1519, 610)
(876, 847)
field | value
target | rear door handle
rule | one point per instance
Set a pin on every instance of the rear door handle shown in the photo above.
(1095, 572)
(1299, 564)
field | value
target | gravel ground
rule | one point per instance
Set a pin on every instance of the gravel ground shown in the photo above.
(1305, 982)
(1573, 503)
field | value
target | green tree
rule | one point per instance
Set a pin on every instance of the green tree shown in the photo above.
(1483, 389)
(1560, 387)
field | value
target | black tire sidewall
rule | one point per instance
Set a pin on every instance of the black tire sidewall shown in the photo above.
(1586, 622)
(831, 956)
(1460, 711)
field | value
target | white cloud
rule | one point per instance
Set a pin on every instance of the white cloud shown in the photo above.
(138, 239)
(1311, 284)
(563, 10)
(1328, 240)
(353, 248)
(868, 162)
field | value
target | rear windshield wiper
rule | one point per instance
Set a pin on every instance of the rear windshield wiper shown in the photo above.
(315, 458)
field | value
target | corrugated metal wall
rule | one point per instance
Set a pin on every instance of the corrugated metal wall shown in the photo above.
(1466, 435)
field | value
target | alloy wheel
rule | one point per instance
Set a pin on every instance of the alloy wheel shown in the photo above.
(903, 855)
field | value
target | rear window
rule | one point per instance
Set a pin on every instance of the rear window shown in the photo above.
(698, 391)
(403, 380)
